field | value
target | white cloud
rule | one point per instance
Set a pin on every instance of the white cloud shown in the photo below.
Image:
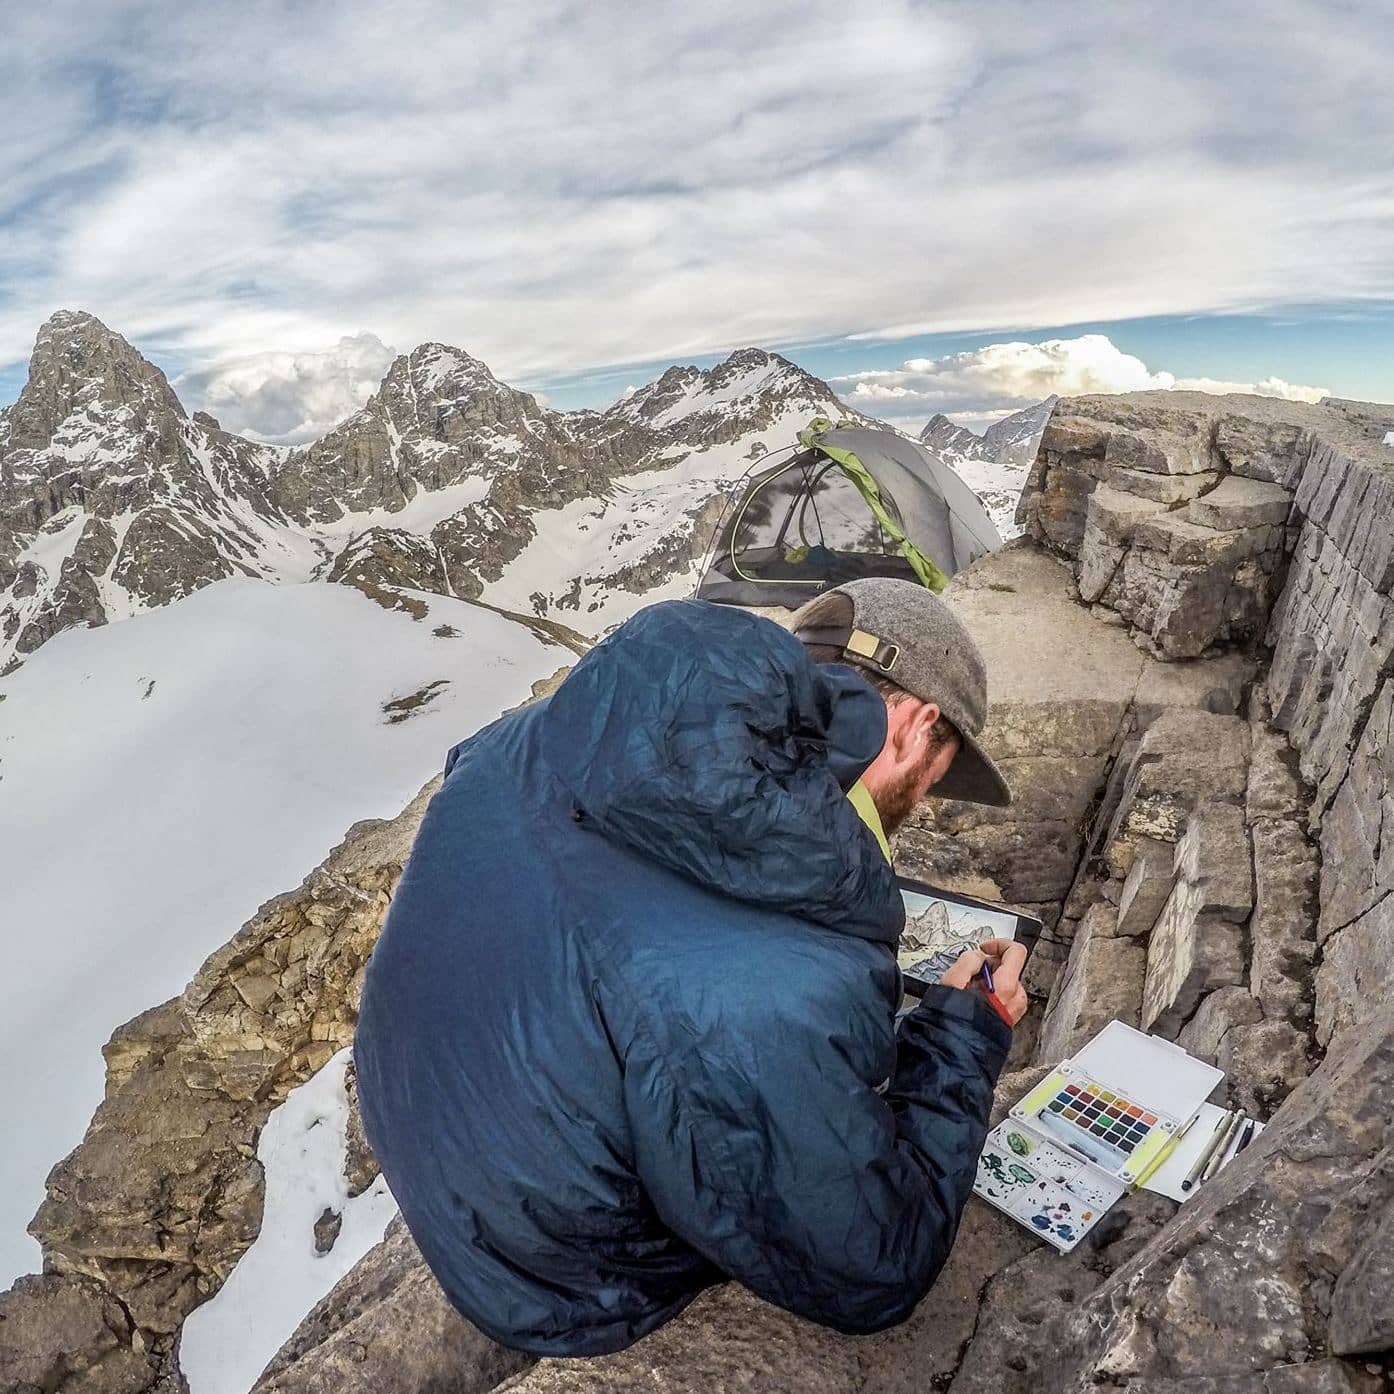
(980, 384)
(453, 172)
(288, 398)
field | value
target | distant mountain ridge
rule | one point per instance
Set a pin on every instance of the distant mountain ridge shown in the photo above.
(1011, 440)
(114, 499)
(993, 464)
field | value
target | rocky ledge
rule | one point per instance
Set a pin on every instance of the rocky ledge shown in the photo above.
(1190, 656)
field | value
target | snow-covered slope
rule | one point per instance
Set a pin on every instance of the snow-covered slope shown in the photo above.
(161, 777)
(597, 559)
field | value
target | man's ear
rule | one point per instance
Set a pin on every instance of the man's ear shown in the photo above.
(914, 732)
(925, 720)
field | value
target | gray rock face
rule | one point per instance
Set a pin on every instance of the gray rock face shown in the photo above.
(1245, 1279)
(1011, 440)
(67, 1333)
(1362, 1302)
(388, 1328)
(1197, 944)
(945, 437)
(1172, 506)
(1102, 980)
(1015, 438)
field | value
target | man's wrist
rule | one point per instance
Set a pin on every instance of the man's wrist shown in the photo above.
(970, 1008)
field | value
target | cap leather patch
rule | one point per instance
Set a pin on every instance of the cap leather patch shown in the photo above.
(863, 644)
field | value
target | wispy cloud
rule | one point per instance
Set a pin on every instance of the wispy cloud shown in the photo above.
(556, 187)
(982, 383)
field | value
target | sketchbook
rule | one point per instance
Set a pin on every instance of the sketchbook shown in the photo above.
(1090, 1131)
(940, 924)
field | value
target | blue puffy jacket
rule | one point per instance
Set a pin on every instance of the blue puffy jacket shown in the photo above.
(628, 1029)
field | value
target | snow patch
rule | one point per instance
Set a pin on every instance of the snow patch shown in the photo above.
(999, 487)
(229, 1340)
(591, 539)
(422, 512)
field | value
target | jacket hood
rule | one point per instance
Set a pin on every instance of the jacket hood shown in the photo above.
(703, 738)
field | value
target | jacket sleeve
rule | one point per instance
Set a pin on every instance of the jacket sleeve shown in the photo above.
(767, 1147)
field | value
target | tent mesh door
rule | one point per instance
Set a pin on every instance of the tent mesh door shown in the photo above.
(806, 522)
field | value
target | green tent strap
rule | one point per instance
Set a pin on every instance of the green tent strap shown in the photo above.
(812, 437)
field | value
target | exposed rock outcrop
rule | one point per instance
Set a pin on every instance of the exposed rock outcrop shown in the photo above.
(388, 1327)
(164, 1193)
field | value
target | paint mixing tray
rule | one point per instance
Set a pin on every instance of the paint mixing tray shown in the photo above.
(1043, 1185)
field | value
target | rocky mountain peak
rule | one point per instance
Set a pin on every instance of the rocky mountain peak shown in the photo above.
(1014, 438)
(111, 498)
(750, 385)
(439, 418)
(79, 366)
(947, 437)
(444, 371)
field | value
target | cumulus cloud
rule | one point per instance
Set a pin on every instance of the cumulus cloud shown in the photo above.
(289, 398)
(289, 173)
(982, 384)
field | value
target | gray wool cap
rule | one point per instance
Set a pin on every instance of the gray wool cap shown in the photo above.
(905, 633)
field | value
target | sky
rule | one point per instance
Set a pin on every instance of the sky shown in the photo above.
(936, 206)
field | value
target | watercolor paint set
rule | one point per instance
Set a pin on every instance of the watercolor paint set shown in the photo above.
(1097, 1126)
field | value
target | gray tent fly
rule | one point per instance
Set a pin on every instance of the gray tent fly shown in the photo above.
(848, 501)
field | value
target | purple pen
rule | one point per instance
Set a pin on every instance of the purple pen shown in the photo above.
(993, 1000)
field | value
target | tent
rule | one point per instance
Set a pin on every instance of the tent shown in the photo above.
(847, 501)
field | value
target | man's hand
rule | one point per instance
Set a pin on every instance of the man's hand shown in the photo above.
(1006, 959)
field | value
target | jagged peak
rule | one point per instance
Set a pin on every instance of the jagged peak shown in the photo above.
(744, 374)
(435, 366)
(80, 363)
(61, 320)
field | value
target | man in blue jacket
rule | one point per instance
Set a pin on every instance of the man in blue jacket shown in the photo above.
(628, 1031)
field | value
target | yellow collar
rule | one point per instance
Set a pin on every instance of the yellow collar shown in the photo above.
(866, 809)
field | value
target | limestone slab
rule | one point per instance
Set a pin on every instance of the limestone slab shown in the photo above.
(1163, 488)
(1356, 979)
(1215, 1018)
(1115, 513)
(1264, 1062)
(1240, 503)
(1259, 450)
(1187, 543)
(1362, 1304)
(1283, 931)
(1145, 890)
(1101, 982)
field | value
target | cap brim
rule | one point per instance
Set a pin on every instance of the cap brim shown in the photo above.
(973, 778)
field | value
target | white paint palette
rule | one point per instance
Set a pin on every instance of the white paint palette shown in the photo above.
(1043, 1186)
